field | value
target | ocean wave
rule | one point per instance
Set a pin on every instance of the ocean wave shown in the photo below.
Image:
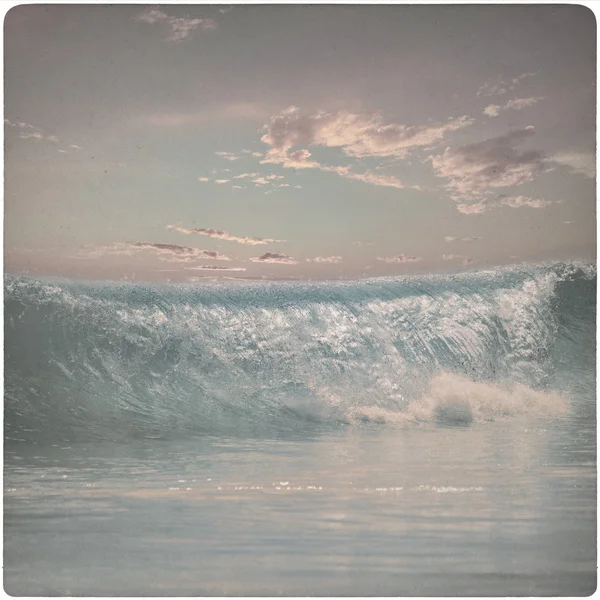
(119, 360)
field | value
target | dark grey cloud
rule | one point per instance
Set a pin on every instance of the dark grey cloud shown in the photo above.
(479, 169)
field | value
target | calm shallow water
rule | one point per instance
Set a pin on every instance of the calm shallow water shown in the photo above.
(502, 508)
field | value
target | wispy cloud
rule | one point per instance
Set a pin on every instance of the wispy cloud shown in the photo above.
(520, 201)
(473, 209)
(325, 259)
(502, 200)
(224, 235)
(478, 169)
(275, 258)
(493, 110)
(228, 156)
(400, 258)
(582, 163)
(177, 28)
(164, 252)
(31, 132)
(450, 238)
(500, 86)
(213, 268)
(466, 260)
(452, 256)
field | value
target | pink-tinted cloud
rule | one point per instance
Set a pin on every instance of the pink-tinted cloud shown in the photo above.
(164, 252)
(274, 258)
(224, 235)
(358, 135)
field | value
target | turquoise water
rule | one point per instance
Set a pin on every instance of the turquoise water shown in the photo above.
(429, 435)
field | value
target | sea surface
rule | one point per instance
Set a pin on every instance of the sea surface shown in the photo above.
(425, 435)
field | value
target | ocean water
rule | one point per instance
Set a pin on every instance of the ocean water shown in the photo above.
(427, 435)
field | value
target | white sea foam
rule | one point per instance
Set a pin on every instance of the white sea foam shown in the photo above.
(454, 399)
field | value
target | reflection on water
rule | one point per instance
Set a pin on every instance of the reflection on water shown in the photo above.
(502, 508)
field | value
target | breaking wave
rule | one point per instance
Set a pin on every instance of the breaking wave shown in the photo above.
(116, 360)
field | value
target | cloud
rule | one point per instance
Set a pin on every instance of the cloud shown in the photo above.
(521, 103)
(520, 201)
(325, 259)
(272, 257)
(228, 155)
(213, 268)
(178, 29)
(20, 124)
(36, 135)
(501, 200)
(31, 132)
(451, 256)
(473, 209)
(358, 135)
(260, 181)
(165, 252)
(224, 235)
(243, 175)
(203, 179)
(175, 253)
(401, 258)
(581, 163)
(367, 177)
(221, 181)
(450, 238)
(499, 86)
(493, 110)
(477, 169)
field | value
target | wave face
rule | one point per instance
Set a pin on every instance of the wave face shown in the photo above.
(114, 361)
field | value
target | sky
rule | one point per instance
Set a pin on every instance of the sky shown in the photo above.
(177, 142)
